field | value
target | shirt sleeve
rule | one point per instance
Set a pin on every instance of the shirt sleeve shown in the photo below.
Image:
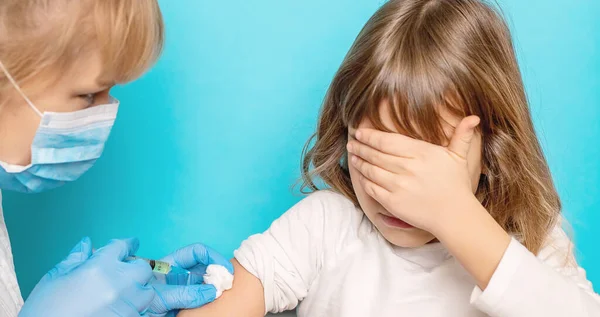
(290, 254)
(549, 285)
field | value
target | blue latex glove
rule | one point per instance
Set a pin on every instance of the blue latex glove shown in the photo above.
(171, 298)
(94, 284)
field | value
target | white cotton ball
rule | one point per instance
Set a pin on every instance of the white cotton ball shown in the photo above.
(220, 277)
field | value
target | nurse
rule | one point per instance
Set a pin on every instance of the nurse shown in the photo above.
(58, 61)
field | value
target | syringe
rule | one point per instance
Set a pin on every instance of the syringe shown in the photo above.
(168, 274)
(157, 266)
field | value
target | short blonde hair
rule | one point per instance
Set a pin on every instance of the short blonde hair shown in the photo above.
(45, 37)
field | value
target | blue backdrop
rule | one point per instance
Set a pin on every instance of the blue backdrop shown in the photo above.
(207, 145)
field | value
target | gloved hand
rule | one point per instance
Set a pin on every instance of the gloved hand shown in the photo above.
(94, 284)
(171, 298)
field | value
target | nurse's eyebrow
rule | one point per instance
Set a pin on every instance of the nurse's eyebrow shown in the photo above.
(97, 86)
(105, 83)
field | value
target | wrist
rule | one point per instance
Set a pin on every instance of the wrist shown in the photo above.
(475, 239)
(457, 217)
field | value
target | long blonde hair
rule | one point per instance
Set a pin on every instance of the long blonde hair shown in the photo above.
(418, 55)
(45, 37)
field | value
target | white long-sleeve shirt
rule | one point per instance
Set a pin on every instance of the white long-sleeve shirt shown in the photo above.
(326, 257)
(10, 294)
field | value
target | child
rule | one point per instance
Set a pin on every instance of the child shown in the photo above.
(440, 197)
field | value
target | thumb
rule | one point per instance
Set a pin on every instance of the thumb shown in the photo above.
(463, 135)
(80, 253)
(173, 297)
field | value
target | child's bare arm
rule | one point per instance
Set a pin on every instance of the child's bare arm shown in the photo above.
(286, 259)
(246, 298)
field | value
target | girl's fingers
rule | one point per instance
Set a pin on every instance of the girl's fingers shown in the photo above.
(463, 136)
(377, 192)
(375, 174)
(390, 143)
(388, 162)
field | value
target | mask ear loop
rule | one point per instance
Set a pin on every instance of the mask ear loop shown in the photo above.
(12, 81)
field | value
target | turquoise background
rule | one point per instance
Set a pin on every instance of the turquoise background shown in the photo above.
(207, 145)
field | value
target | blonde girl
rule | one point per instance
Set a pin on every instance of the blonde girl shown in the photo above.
(439, 199)
(58, 61)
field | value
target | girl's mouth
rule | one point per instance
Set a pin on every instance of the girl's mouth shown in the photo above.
(395, 222)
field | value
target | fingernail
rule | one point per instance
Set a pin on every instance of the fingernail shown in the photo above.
(82, 248)
(358, 134)
(77, 247)
(354, 160)
(85, 242)
(349, 147)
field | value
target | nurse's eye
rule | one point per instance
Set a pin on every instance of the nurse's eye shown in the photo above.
(90, 99)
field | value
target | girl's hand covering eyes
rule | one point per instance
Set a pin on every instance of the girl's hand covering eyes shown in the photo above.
(418, 182)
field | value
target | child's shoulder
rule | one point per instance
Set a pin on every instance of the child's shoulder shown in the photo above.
(329, 198)
(326, 205)
(558, 247)
(328, 201)
(325, 216)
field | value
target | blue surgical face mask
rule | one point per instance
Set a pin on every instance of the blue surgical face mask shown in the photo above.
(65, 146)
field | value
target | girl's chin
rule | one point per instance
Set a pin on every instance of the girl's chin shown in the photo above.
(405, 238)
